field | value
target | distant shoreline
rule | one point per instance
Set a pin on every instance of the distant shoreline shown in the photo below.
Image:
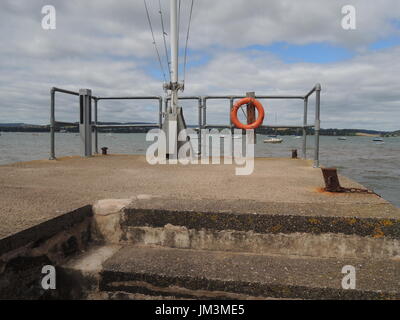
(361, 134)
(21, 127)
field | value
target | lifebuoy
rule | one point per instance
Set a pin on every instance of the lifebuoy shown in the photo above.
(255, 124)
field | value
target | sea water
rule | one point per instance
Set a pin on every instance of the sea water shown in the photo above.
(374, 165)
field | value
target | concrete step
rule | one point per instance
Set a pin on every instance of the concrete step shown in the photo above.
(281, 229)
(153, 271)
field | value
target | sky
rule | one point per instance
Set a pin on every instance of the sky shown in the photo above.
(235, 46)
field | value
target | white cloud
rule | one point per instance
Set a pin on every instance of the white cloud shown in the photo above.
(106, 45)
(240, 23)
(362, 92)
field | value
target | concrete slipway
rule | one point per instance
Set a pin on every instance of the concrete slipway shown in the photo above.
(203, 218)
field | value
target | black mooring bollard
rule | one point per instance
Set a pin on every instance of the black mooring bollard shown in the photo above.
(104, 151)
(294, 154)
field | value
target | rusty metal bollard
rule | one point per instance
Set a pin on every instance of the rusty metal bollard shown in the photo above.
(331, 180)
(104, 151)
(332, 183)
(294, 153)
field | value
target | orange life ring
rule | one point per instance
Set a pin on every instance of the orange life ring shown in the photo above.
(255, 124)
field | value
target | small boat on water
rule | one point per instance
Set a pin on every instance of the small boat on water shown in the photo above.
(377, 139)
(229, 136)
(342, 138)
(273, 140)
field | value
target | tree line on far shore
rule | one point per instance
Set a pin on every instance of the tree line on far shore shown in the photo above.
(21, 127)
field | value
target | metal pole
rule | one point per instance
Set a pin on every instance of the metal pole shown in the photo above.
(251, 115)
(166, 105)
(317, 123)
(160, 115)
(200, 125)
(204, 112)
(204, 143)
(85, 123)
(231, 125)
(96, 138)
(304, 149)
(174, 53)
(52, 124)
(230, 110)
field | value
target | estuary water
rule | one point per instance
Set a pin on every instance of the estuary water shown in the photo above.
(375, 165)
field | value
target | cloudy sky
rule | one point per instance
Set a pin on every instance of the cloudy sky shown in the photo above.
(267, 46)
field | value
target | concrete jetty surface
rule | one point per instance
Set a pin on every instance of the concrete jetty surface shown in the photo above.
(33, 192)
(116, 227)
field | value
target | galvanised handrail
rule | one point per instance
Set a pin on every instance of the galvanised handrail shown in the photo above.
(96, 125)
(53, 121)
(316, 89)
(202, 115)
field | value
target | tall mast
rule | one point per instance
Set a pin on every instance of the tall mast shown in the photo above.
(174, 52)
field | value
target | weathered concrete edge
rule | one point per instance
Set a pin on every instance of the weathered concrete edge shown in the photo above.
(120, 281)
(45, 230)
(264, 223)
(53, 242)
(80, 276)
(328, 245)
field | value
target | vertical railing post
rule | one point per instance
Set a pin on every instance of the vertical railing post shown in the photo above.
(96, 136)
(160, 111)
(251, 116)
(204, 142)
(85, 123)
(231, 125)
(304, 148)
(204, 112)
(52, 124)
(166, 105)
(200, 115)
(317, 123)
(230, 110)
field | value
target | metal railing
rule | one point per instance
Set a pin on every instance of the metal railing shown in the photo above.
(202, 115)
(96, 126)
(53, 122)
(199, 107)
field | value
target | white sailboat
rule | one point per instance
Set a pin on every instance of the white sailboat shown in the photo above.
(274, 138)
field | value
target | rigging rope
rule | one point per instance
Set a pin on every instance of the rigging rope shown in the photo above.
(165, 41)
(164, 38)
(154, 41)
(179, 19)
(187, 41)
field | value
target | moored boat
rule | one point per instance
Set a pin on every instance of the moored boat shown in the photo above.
(273, 140)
